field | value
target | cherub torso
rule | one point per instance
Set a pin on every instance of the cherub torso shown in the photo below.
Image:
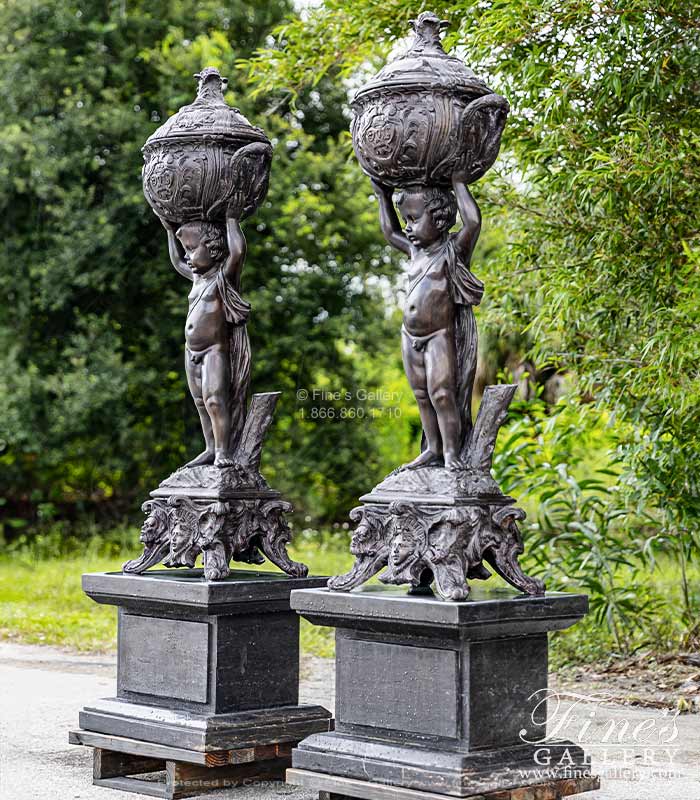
(429, 306)
(206, 318)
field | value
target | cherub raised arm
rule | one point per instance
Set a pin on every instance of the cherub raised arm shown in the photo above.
(175, 250)
(438, 331)
(465, 239)
(388, 219)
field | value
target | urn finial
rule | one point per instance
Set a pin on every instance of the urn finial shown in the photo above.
(427, 27)
(211, 85)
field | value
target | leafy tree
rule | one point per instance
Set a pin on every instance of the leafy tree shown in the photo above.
(597, 195)
(93, 402)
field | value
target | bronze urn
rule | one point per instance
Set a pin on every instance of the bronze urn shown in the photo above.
(198, 159)
(426, 115)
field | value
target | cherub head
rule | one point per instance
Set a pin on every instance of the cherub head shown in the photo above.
(204, 243)
(428, 212)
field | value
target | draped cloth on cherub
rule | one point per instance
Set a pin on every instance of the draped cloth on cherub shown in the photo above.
(236, 310)
(466, 291)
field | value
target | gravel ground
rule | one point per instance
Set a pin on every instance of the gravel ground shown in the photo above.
(42, 689)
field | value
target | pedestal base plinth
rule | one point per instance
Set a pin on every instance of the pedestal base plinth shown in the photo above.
(440, 698)
(208, 680)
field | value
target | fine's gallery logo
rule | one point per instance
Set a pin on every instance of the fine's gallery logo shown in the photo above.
(621, 741)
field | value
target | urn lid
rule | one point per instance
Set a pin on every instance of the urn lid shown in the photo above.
(425, 65)
(208, 116)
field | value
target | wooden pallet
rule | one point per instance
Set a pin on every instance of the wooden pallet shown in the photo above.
(333, 787)
(170, 772)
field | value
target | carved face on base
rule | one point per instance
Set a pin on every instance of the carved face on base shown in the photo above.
(183, 537)
(211, 523)
(406, 552)
(364, 540)
(154, 526)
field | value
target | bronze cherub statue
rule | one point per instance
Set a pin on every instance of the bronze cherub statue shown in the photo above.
(438, 335)
(206, 169)
(217, 350)
(427, 127)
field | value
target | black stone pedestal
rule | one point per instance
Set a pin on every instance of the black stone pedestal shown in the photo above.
(208, 673)
(437, 697)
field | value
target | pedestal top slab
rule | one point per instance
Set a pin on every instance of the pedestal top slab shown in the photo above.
(381, 605)
(190, 587)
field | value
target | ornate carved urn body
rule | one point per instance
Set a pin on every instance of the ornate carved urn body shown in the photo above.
(426, 115)
(191, 170)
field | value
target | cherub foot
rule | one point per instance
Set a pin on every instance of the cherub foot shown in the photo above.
(453, 464)
(207, 457)
(224, 459)
(426, 459)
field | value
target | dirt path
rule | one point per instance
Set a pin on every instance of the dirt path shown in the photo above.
(648, 681)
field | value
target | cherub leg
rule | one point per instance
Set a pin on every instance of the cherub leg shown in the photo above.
(194, 382)
(413, 362)
(216, 382)
(440, 371)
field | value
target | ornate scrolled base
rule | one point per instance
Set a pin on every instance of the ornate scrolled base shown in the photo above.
(149, 558)
(503, 556)
(222, 525)
(434, 525)
(418, 543)
(364, 568)
(274, 536)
